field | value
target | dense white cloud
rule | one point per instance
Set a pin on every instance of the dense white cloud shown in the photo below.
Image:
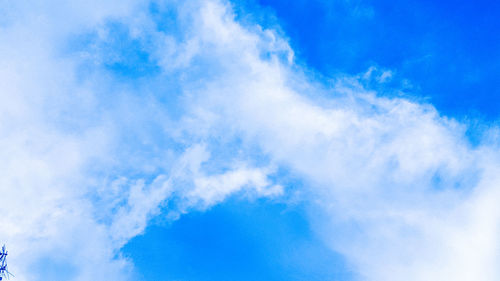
(78, 153)
(89, 156)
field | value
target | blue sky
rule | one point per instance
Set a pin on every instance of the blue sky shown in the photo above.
(236, 241)
(250, 140)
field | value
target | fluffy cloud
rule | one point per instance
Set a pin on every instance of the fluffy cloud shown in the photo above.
(83, 165)
(110, 112)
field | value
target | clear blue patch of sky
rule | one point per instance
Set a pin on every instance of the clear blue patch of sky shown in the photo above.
(237, 240)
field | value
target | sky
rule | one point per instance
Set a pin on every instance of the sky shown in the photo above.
(250, 140)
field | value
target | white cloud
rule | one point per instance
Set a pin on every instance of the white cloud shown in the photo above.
(77, 151)
(214, 189)
(88, 159)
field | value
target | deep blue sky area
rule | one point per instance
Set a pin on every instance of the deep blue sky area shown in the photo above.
(237, 240)
(448, 50)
